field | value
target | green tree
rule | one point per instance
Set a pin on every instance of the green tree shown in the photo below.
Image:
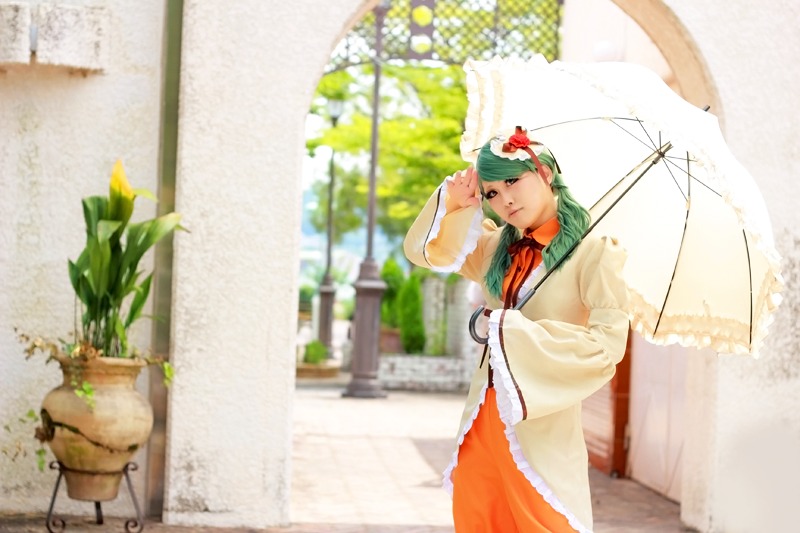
(423, 104)
(412, 326)
(350, 208)
(394, 277)
(422, 112)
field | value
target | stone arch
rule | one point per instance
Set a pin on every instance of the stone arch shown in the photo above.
(681, 52)
(246, 87)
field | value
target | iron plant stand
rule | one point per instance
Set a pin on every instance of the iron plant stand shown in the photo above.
(132, 525)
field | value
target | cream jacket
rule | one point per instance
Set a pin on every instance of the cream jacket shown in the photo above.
(559, 349)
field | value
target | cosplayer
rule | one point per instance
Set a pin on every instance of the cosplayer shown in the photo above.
(521, 462)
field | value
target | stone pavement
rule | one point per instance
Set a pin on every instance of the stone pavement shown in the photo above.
(374, 466)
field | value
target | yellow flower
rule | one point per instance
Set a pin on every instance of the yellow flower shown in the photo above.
(120, 195)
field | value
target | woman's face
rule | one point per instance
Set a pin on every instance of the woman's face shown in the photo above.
(525, 202)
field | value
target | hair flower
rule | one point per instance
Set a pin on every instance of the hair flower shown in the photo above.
(518, 140)
(518, 147)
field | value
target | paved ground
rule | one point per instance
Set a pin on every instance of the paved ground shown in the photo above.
(373, 466)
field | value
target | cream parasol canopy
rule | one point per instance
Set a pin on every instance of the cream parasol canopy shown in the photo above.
(654, 172)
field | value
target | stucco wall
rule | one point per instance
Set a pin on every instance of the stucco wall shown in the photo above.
(60, 133)
(744, 470)
(248, 74)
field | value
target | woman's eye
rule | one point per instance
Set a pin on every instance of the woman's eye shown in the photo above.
(511, 181)
(491, 194)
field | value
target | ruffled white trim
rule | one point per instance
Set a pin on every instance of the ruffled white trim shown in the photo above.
(482, 116)
(472, 235)
(447, 482)
(528, 283)
(496, 146)
(510, 407)
(503, 381)
(721, 335)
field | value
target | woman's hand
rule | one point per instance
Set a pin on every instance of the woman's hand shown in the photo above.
(462, 189)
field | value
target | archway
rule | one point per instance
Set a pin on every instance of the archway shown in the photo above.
(211, 145)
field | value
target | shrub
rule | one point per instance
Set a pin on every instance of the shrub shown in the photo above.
(305, 296)
(315, 353)
(412, 326)
(394, 277)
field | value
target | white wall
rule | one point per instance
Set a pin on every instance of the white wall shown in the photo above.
(742, 425)
(752, 53)
(248, 74)
(60, 133)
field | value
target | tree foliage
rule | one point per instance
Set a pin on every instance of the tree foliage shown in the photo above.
(412, 325)
(394, 277)
(421, 122)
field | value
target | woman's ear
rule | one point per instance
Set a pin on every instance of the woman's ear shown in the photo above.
(547, 174)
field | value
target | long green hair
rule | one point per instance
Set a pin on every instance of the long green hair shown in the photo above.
(572, 216)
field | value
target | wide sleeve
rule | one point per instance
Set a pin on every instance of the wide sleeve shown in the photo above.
(544, 366)
(447, 241)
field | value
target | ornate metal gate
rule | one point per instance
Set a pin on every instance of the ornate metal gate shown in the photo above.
(451, 31)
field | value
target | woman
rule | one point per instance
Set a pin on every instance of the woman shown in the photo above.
(521, 462)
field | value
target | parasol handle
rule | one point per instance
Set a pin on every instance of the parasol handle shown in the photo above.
(472, 331)
(482, 310)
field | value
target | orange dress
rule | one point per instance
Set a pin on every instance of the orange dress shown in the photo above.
(489, 492)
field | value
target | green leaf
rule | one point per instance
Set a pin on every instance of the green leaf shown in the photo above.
(169, 373)
(122, 334)
(85, 392)
(41, 455)
(94, 210)
(99, 258)
(32, 416)
(106, 228)
(131, 255)
(160, 228)
(142, 292)
(145, 193)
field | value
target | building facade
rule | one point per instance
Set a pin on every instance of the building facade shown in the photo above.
(97, 90)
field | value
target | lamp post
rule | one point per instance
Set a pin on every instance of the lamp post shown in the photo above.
(369, 285)
(327, 290)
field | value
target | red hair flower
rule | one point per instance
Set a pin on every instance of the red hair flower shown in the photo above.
(518, 140)
(521, 141)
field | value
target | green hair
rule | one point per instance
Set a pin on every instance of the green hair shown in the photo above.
(572, 216)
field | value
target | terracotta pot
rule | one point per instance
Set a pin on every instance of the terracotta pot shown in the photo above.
(95, 444)
(389, 341)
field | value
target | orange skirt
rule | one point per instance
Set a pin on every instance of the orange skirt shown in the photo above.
(490, 495)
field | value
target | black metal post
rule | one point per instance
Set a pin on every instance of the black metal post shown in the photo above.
(369, 285)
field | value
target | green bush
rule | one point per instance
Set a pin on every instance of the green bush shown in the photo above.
(394, 277)
(307, 294)
(412, 326)
(305, 297)
(315, 353)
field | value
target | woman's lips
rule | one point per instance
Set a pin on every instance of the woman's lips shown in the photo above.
(514, 212)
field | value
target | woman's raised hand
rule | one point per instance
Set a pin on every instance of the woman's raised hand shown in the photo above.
(462, 189)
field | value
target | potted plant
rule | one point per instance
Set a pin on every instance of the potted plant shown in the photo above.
(96, 420)
(315, 363)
